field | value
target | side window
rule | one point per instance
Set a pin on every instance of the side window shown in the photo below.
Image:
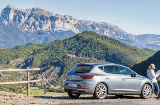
(111, 69)
(126, 71)
(101, 68)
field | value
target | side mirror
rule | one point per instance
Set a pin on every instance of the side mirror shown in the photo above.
(136, 75)
(132, 75)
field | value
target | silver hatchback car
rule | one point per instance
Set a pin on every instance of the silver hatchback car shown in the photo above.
(101, 79)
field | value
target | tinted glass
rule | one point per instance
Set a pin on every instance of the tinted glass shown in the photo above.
(81, 69)
(101, 67)
(111, 69)
(126, 71)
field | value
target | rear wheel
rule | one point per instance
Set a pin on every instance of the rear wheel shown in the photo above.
(100, 91)
(73, 95)
(146, 91)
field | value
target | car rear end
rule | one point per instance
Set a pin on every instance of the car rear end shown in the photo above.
(81, 79)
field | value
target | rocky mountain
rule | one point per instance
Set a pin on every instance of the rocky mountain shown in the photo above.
(21, 26)
(151, 41)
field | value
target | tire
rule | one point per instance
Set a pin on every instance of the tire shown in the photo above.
(146, 91)
(100, 91)
(73, 95)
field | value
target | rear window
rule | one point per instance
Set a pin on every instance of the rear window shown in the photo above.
(81, 69)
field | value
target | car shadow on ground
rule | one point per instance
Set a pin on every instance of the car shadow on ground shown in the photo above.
(87, 97)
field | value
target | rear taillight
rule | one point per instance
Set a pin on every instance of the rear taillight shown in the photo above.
(86, 88)
(66, 76)
(87, 76)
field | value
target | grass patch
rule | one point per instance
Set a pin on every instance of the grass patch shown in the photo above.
(37, 91)
(34, 91)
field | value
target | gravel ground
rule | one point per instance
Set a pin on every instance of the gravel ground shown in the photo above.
(21, 99)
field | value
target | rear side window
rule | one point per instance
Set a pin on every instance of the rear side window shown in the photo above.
(101, 67)
(81, 69)
(111, 69)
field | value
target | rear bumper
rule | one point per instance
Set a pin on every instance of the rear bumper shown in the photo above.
(83, 87)
(80, 91)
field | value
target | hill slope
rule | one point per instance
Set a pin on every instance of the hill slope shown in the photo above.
(143, 66)
(87, 47)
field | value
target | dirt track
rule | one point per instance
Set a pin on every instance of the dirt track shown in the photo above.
(110, 100)
(61, 99)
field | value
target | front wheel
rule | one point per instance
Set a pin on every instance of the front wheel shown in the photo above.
(100, 91)
(146, 91)
(73, 95)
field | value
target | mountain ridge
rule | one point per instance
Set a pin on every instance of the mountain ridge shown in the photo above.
(46, 26)
(38, 25)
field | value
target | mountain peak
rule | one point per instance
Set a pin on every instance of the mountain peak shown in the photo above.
(15, 8)
(11, 6)
(35, 10)
(38, 8)
(41, 11)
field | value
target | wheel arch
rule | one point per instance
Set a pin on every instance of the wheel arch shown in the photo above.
(152, 86)
(108, 89)
(146, 95)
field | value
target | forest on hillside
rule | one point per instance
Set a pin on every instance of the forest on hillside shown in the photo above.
(52, 58)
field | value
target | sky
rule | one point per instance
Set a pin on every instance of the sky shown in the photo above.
(133, 16)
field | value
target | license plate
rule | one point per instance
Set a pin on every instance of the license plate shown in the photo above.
(72, 85)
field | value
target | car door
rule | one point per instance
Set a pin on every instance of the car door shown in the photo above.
(113, 79)
(130, 83)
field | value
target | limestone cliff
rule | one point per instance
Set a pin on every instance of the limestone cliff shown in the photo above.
(21, 26)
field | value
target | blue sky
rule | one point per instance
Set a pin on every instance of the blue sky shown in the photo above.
(133, 16)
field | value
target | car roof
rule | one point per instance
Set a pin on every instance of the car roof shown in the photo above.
(97, 64)
(101, 64)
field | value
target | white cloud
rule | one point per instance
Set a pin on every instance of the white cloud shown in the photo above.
(117, 21)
